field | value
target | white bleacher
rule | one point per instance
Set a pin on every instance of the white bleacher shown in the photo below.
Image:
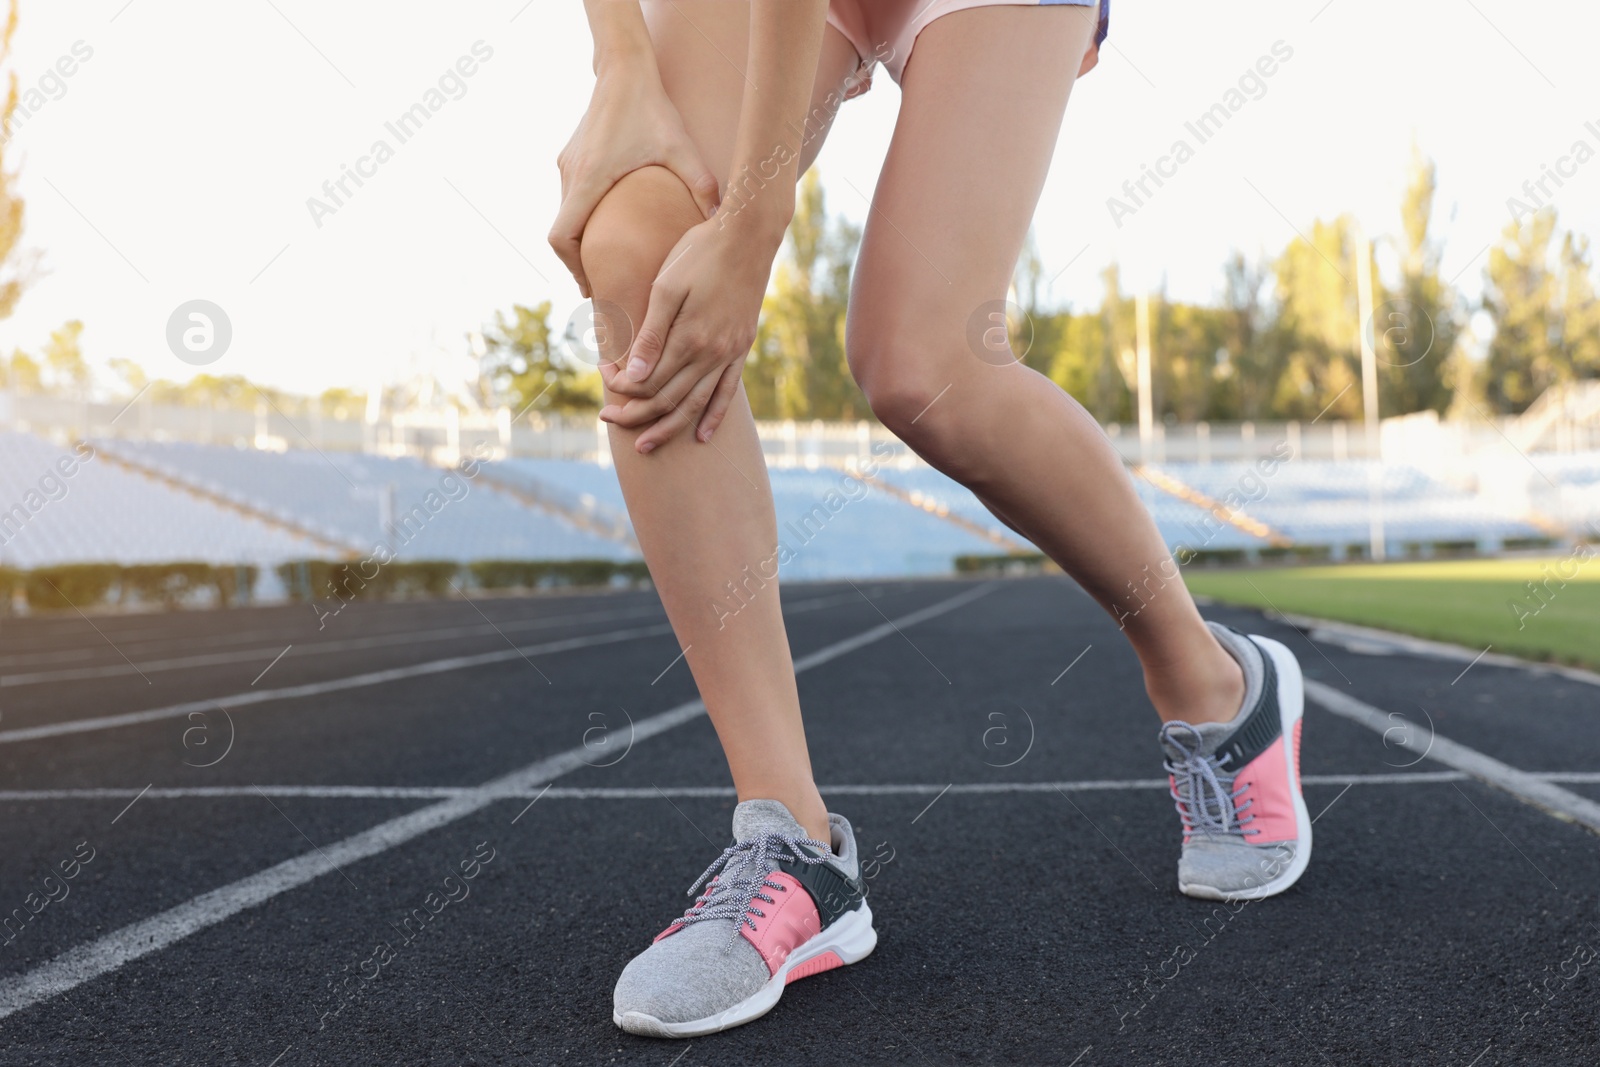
(110, 514)
(1329, 503)
(440, 514)
(1576, 498)
(838, 526)
(105, 514)
(1179, 521)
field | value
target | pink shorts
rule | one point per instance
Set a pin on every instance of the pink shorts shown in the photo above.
(884, 31)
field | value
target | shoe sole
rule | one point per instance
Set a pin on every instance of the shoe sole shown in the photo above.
(1291, 708)
(849, 940)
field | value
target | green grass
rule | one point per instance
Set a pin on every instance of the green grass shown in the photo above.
(1467, 602)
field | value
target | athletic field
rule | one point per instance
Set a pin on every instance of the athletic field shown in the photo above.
(1545, 608)
(434, 832)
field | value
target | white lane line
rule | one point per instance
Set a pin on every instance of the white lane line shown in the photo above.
(355, 681)
(246, 655)
(1534, 789)
(112, 951)
(408, 637)
(1368, 641)
(441, 792)
(454, 663)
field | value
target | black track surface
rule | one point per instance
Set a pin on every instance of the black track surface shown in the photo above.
(1440, 922)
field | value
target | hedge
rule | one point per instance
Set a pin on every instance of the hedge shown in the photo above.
(1003, 563)
(321, 580)
(70, 586)
(543, 574)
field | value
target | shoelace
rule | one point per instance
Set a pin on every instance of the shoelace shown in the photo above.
(1202, 789)
(746, 868)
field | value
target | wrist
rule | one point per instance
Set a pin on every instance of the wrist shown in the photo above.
(759, 202)
(624, 56)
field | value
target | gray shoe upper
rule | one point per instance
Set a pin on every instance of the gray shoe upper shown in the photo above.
(706, 967)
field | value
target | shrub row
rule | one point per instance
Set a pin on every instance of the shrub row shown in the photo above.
(83, 585)
(309, 580)
(173, 585)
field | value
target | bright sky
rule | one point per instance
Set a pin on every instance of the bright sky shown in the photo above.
(176, 161)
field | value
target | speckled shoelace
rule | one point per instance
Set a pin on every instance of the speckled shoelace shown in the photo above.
(746, 868)
(1202, 789)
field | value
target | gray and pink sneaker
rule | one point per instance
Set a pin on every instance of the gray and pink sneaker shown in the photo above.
(776, 906)
(1246, 832)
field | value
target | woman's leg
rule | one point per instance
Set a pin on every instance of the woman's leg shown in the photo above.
(703, 511)
(983, 99)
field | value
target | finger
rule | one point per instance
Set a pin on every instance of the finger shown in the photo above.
(620, 384)
(650, 342)
(566, 232)
(685, 162)
(717, 407)
(636, 413)
(686, 415)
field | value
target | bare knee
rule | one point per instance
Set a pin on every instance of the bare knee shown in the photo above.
(632, 230)
(901, 379)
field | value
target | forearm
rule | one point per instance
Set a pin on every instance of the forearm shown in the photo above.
(620, 35)
(785, 45)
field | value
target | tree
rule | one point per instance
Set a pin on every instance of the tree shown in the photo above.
(16, 268)
(1525, 356)
(1414, 334)
(522, 365)
(1314, 337)
(1580, 311)
(341, 403)
(63, 355)
(1244, 373)
(798, 369)
(129, 373)
(21, 373)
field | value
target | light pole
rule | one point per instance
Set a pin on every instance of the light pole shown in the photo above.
(1369, 394)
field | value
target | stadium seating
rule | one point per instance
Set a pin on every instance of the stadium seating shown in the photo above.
(1330, 503)
(102, 513)
(434, 514)
(141, 501)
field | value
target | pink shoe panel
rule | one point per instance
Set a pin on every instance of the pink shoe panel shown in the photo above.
(790, 921)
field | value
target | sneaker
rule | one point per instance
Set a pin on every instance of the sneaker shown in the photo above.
(1246, 832)
(777, 906)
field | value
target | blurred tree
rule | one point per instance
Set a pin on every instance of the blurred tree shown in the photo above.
(797, 368)
(1243, 370)
(1416, 330)
(17, 267)
(1314, 338)
(63, 356)
(1580, 311)
(522, 365)
(341, 403)
(1185, 339)
(1525, 356)
(129, 374)
(233, 391)
(21, 373)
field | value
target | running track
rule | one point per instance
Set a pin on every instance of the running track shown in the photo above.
(266, 803)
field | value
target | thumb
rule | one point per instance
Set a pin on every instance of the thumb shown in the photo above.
(702, 184)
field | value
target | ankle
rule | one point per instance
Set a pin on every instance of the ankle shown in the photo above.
(804, 803)
(1207, 688)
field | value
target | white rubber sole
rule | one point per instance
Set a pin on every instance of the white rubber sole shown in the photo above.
(851, 938)
(1291, 707)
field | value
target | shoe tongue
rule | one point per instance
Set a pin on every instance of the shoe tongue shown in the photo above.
(755, 818)
(1205, 740)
